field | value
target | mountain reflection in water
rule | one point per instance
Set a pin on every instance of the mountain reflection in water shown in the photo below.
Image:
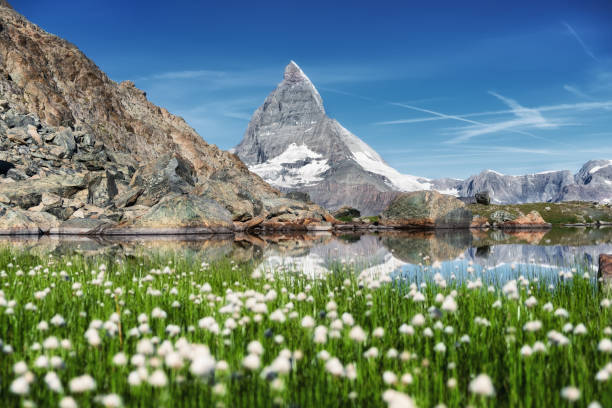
(376, 253)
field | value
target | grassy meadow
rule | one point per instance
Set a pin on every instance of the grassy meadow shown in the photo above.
(173, 331)
(567, 212)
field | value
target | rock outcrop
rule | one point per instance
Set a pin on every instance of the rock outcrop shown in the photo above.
(530, 221)
(97, 155)
(605, 267)
(347, 212)
(427, 210)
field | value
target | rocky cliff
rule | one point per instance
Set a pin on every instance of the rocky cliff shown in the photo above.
(63, 120)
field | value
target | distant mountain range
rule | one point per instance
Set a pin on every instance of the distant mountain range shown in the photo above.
(293, 145)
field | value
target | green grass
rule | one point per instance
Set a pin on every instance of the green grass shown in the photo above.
(536, 380)
(569, 212)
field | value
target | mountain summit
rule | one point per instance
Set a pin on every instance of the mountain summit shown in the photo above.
(293, 145)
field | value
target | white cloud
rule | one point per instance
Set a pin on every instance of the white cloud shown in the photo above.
(575, 91)
(574, 34)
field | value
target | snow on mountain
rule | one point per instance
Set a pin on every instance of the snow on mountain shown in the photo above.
(595, 169)
(298, 166)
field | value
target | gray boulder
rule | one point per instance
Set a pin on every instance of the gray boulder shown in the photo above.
(502, 216)
(179, 214)
(426, 210)
(14, 221)
(82, 226)
(28, 193)
(483, 198)
(168, 174)
(347, 212)
(65, 140)
(128, 198)
(102, 188)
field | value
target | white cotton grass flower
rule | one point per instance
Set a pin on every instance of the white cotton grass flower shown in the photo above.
(145, 346)
(531, 302)
(20, 368)
(51, 343)
(110, 401)
(320, 335)
(418, 320)
(449, 304)
(20, 386)
(580, 329)
(372, 352)
(41, 362)
(482, 385)
(204, 364)
(81, 384)
(526, 351)
(418, 297)
(158, 378)
(120, 359)
(256, 348)
(389, 378)
(57, 320)
(539, 347)
(570, 393)
(406, 329)
(134, 379)
(323, 355)
(510, 289)
(251, 362)
(378, 332)
(278, 316)
(605, 346)
(308, 322)
(348, 319)
(396, 399)
(407, 379)
(440, 348)
(557, 338)
(532, 326)
(67, 402)
(358, 334)
(53, 382)
(602, 375)
(334, 367)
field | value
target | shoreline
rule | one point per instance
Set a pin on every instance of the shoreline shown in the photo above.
(134, 232)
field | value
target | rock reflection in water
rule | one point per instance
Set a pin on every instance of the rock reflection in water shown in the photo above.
(377, 253)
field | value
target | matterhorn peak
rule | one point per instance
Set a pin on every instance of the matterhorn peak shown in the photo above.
(293, 73)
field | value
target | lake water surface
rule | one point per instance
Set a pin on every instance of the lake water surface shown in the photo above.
(493, 256)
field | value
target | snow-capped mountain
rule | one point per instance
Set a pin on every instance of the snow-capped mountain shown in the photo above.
(293, 145)
(593, 182)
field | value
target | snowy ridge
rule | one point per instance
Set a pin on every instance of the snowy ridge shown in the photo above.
(281, 172)
(597, 168)
(371, 161)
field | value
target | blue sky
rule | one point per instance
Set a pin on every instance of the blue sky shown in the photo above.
(445, 89)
